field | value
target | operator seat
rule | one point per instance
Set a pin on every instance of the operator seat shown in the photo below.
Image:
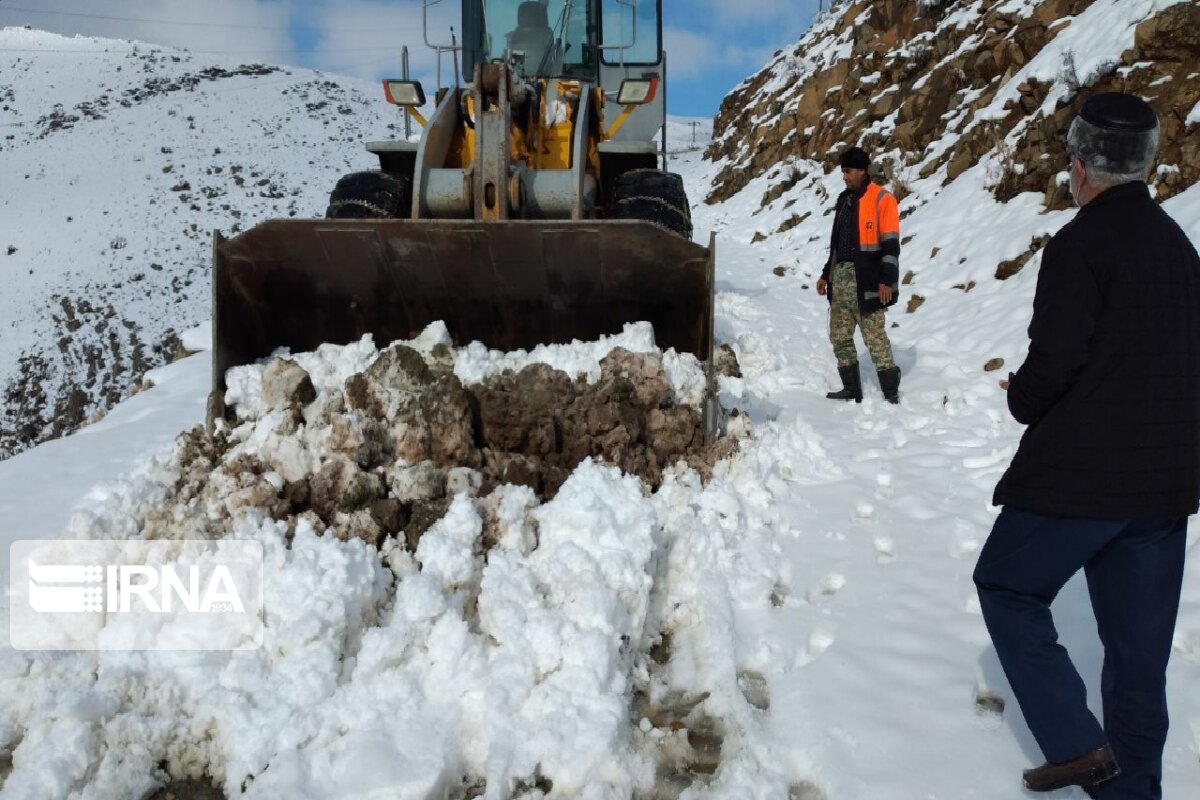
(533, 35)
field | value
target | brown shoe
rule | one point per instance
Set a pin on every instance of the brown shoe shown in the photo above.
(1088, 770)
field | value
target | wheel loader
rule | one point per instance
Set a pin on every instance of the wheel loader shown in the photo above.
(535, 207)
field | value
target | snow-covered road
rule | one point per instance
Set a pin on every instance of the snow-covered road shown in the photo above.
(883, 682)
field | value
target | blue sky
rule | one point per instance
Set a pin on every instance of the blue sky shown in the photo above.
(711, 45)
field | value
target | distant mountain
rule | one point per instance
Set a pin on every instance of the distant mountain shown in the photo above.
(120, 159)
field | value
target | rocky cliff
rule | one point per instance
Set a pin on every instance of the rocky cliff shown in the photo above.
(932, 87)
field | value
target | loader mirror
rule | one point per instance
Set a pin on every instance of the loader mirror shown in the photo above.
(408, 94)
(637, 92)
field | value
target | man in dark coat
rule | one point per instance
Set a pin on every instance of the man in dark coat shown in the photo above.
(1108, 470)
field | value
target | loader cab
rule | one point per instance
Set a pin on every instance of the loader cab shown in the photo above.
(597, 41)
(540, 38)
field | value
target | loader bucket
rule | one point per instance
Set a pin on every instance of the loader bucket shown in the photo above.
(509, 285)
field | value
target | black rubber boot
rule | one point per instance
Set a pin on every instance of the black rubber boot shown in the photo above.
(851, 385)
(889, 382)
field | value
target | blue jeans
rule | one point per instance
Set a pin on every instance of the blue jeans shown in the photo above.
(1134, 570)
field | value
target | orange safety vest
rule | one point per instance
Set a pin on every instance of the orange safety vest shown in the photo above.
(878, 218)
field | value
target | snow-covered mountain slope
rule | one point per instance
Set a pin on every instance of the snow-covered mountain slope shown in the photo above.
(933, 88)
(119, 160)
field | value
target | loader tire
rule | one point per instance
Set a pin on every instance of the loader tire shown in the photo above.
(665, 185)
(653, 196)
(370, 195)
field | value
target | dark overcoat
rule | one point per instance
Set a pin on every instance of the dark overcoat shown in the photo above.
(1110, 389)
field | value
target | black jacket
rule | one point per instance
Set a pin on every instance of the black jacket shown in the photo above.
(1110, 389)
(871, 268)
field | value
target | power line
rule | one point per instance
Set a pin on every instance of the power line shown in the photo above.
(202, 24)
(295, 50)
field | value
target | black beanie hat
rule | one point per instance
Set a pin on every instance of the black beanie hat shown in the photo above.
(855, 158)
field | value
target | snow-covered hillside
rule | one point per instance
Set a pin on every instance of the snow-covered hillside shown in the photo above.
(802, 625)
(120, 159)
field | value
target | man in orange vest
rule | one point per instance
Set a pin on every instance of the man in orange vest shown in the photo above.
(861, 276)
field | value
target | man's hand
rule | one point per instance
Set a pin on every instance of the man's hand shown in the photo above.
(885, 293)
(821, 286)
(1004, 385)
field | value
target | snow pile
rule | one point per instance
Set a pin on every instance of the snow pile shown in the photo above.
(383, 674)
(330, 365)
(481, 417)
(494, 649)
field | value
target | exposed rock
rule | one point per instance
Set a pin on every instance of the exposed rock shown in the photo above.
(386, 454)
(725, 362)
(93, 359)
(1006, 269)
(993, 364)
(285, 384)
(341, 486)
(793, 221)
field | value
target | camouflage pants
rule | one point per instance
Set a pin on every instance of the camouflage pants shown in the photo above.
(844, 315)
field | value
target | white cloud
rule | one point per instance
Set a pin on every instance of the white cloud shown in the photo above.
(362, 38)
(688, 52)
(692, 54)
(345, 49)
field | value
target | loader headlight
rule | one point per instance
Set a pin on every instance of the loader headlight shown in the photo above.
(403, 93)
(637, 92)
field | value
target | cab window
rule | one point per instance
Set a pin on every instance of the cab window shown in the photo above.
(554, 37)
(618, 28)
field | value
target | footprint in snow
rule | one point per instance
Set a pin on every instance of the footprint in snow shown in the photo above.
(830, 585)
(989, 707)
(806, 790)
(754, 688)
(1187, 647)
(820, 640)
(885, 550)
(966, 540)
(964, 548)
(971, 606)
